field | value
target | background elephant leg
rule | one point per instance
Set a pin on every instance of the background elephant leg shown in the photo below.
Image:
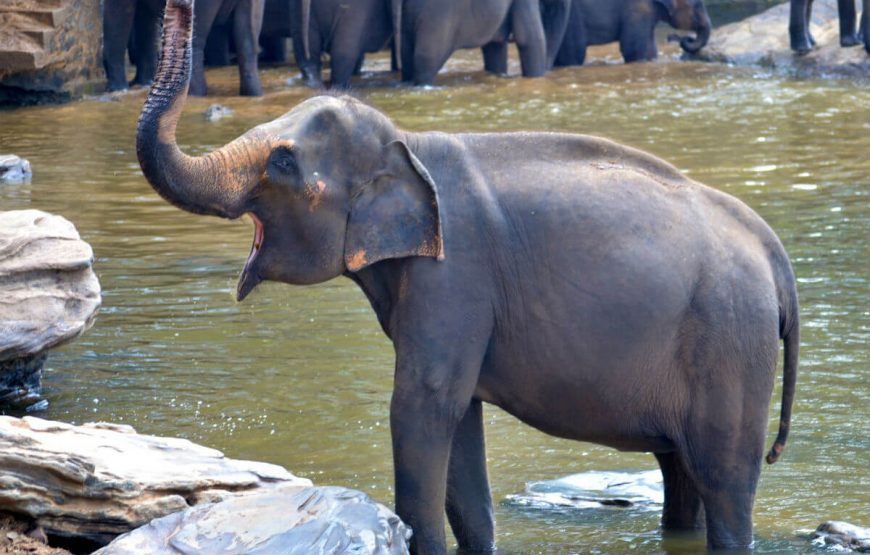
(147, 29)
(347, 51)
(217, 46)
(117, 25)
(528, 30)
(554, 15)
(246, 29)
(495, 57)
(683, 508)
(311, 67)
(865, 25)
(204, 16)
(799, 26)
(407, 53)
(469, 501)
(432, 48)
(848, 18)
(637, 42)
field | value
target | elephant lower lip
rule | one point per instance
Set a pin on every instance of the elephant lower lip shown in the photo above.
(249, 278)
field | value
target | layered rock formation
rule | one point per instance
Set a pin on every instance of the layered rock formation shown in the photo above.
(14, 169)
(289, 520)
(50, 49)
(97, 481)
(50, 296)
(843, 534)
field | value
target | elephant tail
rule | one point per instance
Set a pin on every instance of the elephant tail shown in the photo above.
(396, 10)
(306, 22)
(791, 337)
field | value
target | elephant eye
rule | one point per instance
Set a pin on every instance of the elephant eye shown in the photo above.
(284, 161)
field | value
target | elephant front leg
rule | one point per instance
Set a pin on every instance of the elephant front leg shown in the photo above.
(246, 29)
(469, 501)
(683, 509)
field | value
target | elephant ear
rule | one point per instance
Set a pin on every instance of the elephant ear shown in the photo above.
(396, 214)
(669, 5)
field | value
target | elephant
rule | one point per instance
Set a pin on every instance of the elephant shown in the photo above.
(428, 31)
(346, 30)
(588, 288)
(799, 25)
(632, 23)
(246, 17)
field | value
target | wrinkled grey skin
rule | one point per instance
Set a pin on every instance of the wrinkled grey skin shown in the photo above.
(801, 15)
(429, 31)
(345, 30)
(244, 16)
(632, 23)
(589, 289)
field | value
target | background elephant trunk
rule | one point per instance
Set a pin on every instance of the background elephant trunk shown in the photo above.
(702, 30)
(213, 184)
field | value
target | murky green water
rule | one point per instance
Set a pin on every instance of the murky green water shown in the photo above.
(301, 376)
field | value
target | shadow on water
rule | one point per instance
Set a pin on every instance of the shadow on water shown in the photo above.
(301, 376)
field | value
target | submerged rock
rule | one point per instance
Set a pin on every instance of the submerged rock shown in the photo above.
(14, 169)
(50, 296)
(217, 111)
(289, 520)
(97, 481)
(847, 535)
(763, 40)
(591, 490)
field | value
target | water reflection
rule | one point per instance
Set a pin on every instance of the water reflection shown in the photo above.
(301, 376)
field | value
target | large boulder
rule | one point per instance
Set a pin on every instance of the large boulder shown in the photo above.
(50, 296)
(763, 40)
(96, 481)
(288, 520)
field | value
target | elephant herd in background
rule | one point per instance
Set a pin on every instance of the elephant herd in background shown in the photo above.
(547, 33)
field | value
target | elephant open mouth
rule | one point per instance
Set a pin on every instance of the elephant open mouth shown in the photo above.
(249, 278)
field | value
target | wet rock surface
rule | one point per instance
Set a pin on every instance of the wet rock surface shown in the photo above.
(93, 482)
(763, 40)
(594, 490)
(217, 111)
(850, 536)
(50, 296)
(14, 169)
(289, 520)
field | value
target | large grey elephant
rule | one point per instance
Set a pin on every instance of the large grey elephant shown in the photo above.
(632, 23)
(245, 17)
(801, 15)
(590, 289)
(428, 31)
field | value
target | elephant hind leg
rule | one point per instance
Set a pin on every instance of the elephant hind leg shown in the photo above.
(683, 508)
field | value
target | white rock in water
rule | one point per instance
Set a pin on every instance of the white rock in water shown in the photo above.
(288, 520)
(847, 535)
(97, 481)
(50, 293)
(217, 111)
(14, 169)
(594, 489)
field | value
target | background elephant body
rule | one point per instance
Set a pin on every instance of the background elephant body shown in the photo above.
(132, 23)
(345, 30)
(429, 31)
(632, 23)
(801, 15)
(243, 16)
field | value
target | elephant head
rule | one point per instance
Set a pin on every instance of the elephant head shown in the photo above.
(331, 186)
(688, 15)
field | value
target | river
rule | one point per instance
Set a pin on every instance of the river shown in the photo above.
(301, 376)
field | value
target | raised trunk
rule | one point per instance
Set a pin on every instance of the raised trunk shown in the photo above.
(693, 45)
(214, 184)
(396, 12)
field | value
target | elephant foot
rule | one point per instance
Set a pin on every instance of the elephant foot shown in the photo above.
(849, 40)
(251, 90)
